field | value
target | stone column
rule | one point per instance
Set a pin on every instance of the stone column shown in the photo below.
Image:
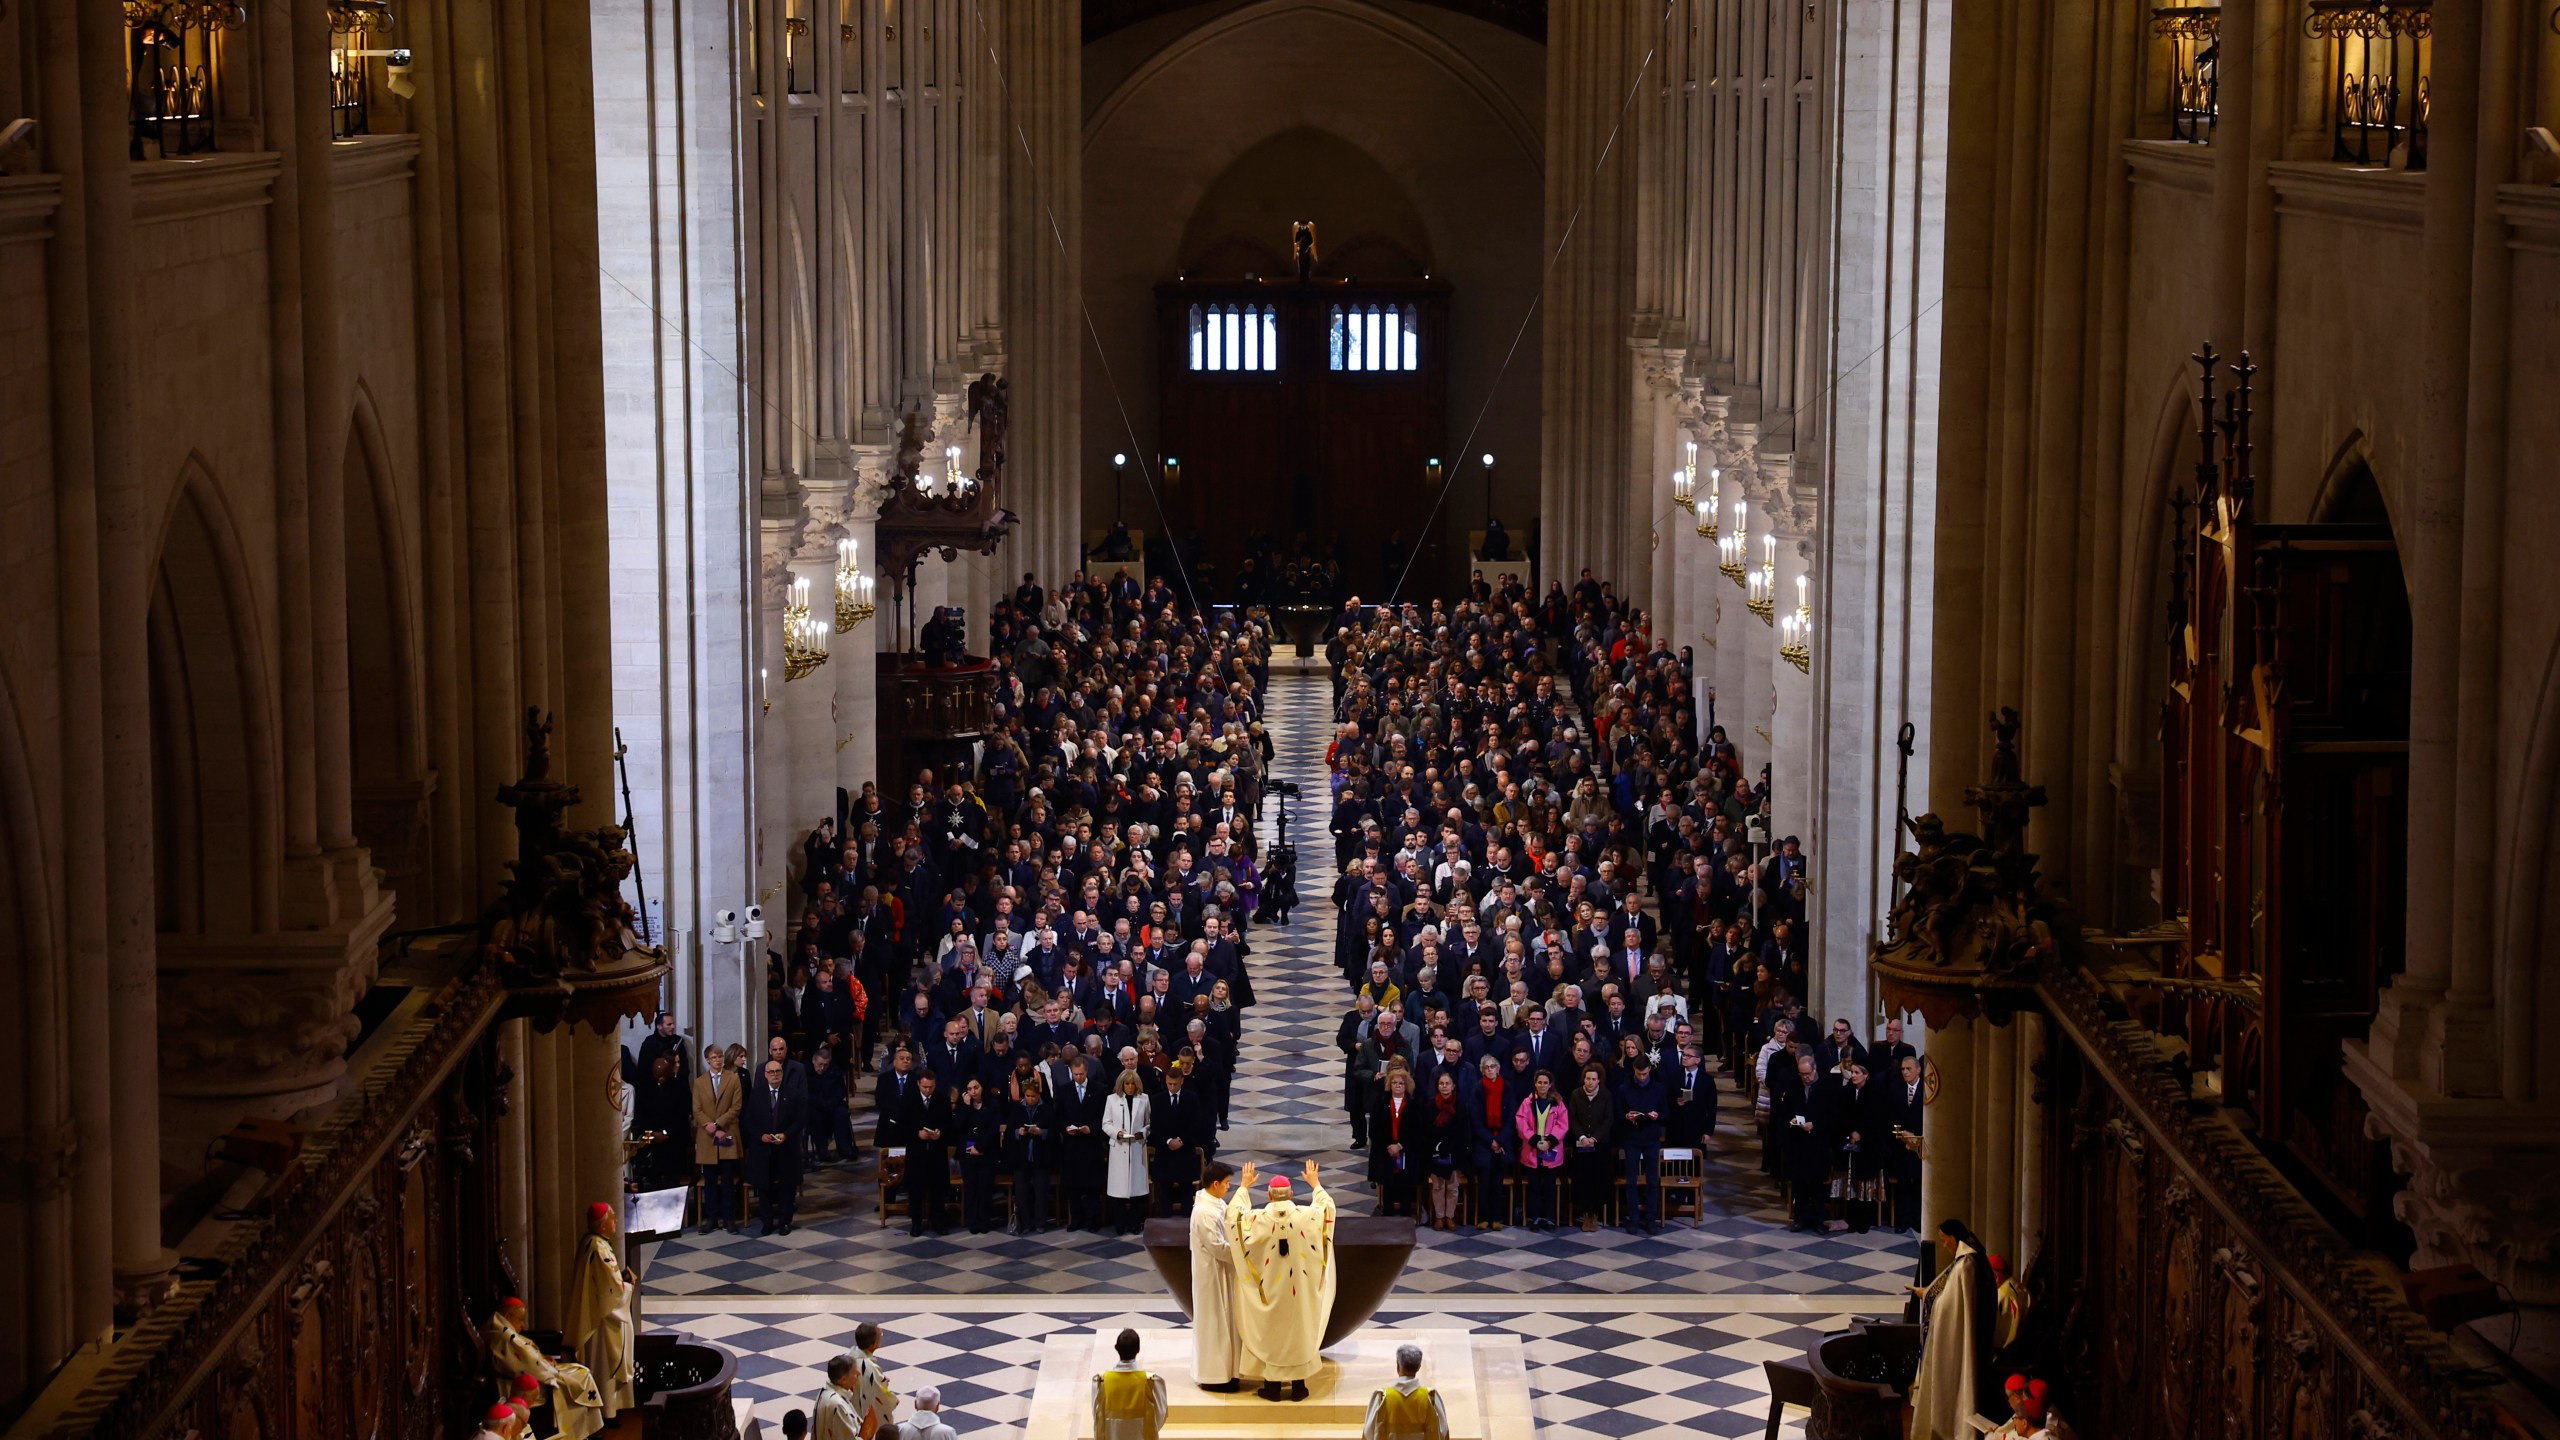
(127, 544)
(1043, 98)
(1733, 645)
(1949, 1132)
(2406, 1036)
(74, 1281)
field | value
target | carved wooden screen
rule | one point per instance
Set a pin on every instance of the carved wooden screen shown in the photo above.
(2284, 805)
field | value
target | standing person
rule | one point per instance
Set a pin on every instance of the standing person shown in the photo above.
(599, 1330)
(1641, 1100)
(1213, 1284)
(1178, 1137)
(1489, 1134)
(1803, 1150)
(839, 1404)
(1693, 1101)
(1398, 1142)
(889, 1109)
(1592, 1125)
(977, 1136)
(775, 1116)
(1866, 1143)
(1124, 1124)
(1284, 1281)
(875, 1404)
(1084, 1155)
(1541, 1123)
(1407, 1409)
(1956, 1317)
(830, 1109)
(929, 1423)
(1905, 1113)
(1031, 1150)
(1451, 1149)
(928, 1126)
(718, 1097)
(1128, 1403)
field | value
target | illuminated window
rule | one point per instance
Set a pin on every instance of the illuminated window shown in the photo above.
(1235, 337)
(1375, 337)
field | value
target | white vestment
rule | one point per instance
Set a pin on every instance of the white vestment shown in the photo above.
(1942, 1398)
(576, 1406)
(1213, 1293)
(1284, 1283)
(600, 1329)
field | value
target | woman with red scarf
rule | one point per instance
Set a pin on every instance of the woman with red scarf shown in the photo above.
(1489, 1128)
(1449, 1150)
(1399, 1141)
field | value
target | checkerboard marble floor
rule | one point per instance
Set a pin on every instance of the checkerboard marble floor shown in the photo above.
(1659, 1372)
(1627, 1335)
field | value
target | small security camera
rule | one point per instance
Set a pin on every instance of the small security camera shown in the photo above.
(395, 74)
(724, 928)
(755, 922)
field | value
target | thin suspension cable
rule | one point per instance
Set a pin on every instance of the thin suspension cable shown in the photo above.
(1057, 236)
(1467, 447)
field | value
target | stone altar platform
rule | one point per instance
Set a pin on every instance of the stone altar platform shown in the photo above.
(1482, 1379)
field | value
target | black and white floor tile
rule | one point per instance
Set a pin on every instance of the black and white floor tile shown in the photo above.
(1627, 1335)
(1657, 1373)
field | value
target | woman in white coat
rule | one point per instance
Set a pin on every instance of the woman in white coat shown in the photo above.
(1124, 1123)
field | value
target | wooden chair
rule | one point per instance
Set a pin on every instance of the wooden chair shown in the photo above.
(1790, 1383)
(893, 1168)
(1684, 1173)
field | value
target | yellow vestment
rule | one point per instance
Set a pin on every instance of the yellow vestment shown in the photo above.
(1284, 1282)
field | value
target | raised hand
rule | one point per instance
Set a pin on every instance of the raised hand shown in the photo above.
(1311, 1174)
(1244, 1177)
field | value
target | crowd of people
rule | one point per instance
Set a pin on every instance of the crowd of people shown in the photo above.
(1510, 782)
(1033, 960)
(1036, 963)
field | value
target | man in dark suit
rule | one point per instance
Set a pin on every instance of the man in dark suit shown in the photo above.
(952, 1056)
(1887, 1052)
(1693, 1101)
(1835, 1050)
(1906, 1108)
(1545, 1048)
(1084, 1163)
(927, 1121)
(1178, 1134)
(775, 1119)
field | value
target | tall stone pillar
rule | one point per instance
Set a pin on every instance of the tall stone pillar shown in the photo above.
(1043, 95)
(1948, 1135)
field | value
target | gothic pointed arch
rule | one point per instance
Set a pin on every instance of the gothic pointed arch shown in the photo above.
(392, 783)
(218, 829)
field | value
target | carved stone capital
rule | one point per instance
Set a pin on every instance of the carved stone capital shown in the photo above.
(2484, 1180)
(1661, 369)
(873, 465)
(780, 545)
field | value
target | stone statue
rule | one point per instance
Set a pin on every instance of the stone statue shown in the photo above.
(990, 412)
(1302, 244)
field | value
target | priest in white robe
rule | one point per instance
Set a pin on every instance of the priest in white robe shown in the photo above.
(576, 1406)
(1284, 1283)
(1213, 1282)
(1955, 1340)
(600, 1330)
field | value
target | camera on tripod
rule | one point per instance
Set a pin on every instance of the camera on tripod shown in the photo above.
(1285, 787)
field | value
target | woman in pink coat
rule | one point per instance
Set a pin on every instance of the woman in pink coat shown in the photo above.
(1542, 1123)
